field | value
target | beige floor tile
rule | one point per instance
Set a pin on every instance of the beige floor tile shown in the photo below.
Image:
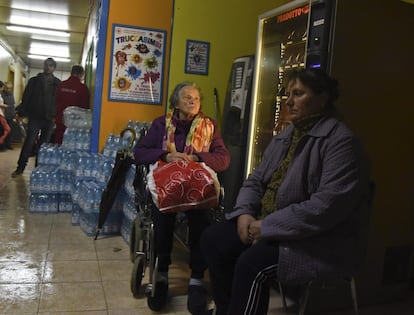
(19, 298)
(69, 234)
(72, 271)
(72, 251)
(74, 313)
(28, 271)
(115, 269)
(112, 248)
(76, 296)
(22, 251)
(118, 294)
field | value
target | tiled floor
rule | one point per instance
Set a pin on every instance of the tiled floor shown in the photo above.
(48, 266)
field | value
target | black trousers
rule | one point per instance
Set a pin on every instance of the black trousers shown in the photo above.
(240, 274)
(198, 220)
(34, 126)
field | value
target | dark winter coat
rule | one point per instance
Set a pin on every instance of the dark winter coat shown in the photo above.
(322, 209)
(38, 101)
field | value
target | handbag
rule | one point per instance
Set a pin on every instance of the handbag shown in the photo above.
(181, 186)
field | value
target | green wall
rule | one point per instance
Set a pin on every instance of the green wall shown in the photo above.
(231, 29)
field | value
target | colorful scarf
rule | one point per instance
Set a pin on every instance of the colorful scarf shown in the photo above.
(198, 138)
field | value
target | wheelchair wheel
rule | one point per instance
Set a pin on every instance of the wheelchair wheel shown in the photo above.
(135, 238)
(137, 275)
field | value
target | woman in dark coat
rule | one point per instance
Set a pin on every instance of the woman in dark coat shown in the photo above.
(299, 215)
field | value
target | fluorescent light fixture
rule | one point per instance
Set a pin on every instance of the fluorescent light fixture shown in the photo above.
(59, 24)
(50, 38)
(39, 48)
(57, 8)
(37, 31)
(57, 59)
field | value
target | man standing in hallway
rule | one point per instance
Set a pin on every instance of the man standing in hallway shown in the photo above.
(70, 92)
(39, 105)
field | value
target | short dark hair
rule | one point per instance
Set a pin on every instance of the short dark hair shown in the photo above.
(1, 84)
(77, 70)
(318, 81)
(51, 60)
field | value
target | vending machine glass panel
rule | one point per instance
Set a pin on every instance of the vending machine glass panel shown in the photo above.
(281, 46)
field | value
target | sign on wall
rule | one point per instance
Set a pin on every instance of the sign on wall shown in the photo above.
(137, 64)
(197, 56)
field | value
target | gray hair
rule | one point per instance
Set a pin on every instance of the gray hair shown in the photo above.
(175, 95)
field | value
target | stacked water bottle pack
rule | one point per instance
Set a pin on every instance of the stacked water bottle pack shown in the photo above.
(50, 185)
(129, 207)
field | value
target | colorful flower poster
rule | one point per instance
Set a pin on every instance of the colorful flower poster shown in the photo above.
(137, 64)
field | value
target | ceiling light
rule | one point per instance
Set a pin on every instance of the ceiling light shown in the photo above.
(50, 38)
(59, 24)
(58, 7)
(57, 59)
(37, 31)
(39, 48)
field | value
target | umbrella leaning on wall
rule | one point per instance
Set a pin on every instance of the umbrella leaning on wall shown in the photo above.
(123, 161)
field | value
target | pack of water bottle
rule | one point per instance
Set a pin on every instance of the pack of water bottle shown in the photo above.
(43, 203)
(88, 220)
(76, 139)
(77, 117)
(140, 128)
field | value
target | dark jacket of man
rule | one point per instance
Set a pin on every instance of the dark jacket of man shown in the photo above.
(38, 100)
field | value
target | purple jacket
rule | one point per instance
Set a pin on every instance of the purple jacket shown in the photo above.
(149, 149)
(322, 208)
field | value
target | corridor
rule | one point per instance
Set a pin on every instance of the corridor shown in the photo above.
(48, 266)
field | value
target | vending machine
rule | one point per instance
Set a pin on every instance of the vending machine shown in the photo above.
(236, 115)
(295, 35)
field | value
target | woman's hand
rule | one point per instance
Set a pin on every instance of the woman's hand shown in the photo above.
(255, 229)
(243, 223)
(179, 156)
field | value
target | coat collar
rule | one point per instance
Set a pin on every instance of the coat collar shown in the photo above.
(321, 129)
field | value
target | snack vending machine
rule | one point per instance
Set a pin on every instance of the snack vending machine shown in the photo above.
(236, 116)
(295, 35)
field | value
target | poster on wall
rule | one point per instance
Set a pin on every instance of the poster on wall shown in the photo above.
(137, 64)
(196, 57)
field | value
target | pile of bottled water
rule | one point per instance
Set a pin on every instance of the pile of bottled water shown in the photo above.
(69, 178)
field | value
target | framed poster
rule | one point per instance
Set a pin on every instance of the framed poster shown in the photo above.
(137, 65)
(197, 57)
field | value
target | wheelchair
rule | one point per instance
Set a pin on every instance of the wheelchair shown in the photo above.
(141, 243)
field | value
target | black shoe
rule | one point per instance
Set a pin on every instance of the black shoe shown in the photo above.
(158, 301)
(16, 173)
(9, 147)
(197, 299)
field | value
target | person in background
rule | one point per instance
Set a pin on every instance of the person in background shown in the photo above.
(8, 98)
(4, 126)
(39, 105)
(70, 92)
(301, 213)
(174, 137)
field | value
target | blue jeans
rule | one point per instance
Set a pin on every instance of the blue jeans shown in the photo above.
(34, 126)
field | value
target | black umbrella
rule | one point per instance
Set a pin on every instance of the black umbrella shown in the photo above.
(123, 161)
